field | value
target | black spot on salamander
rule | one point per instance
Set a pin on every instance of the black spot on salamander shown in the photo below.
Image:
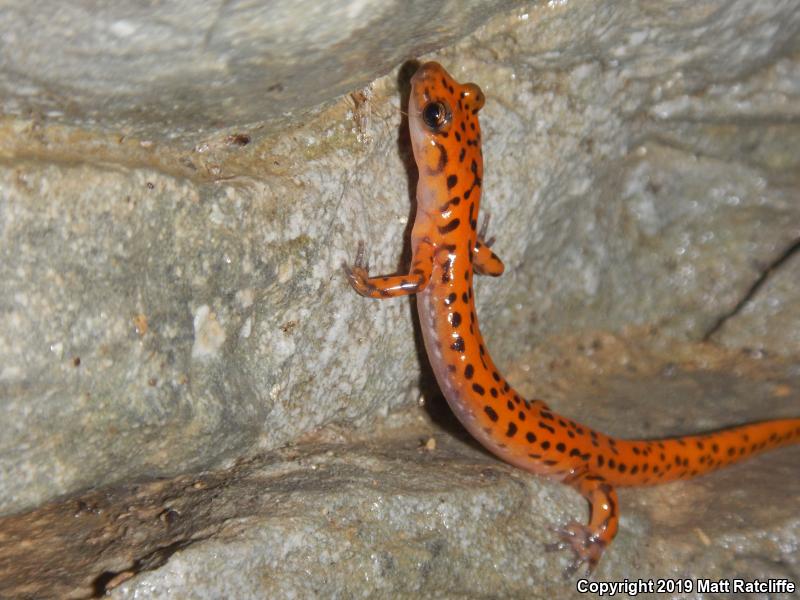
(491, 413)
(454, 201)
(461, 155)
(451, 226)
(530, 436)
(478, 389)
(467, 194)
(473, 167)
(452, 180)
(469, 371)
(561, 447)
(545, 445)
(455, 319)
(442, 160)
(458, 136)
(446, 271)
(512, 429)
(458, 344)
(465, 298)
(450, 298)
(544, 425)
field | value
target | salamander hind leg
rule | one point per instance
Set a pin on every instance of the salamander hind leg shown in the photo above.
(589, 541)
(393, 285)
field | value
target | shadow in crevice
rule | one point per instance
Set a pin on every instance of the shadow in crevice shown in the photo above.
(107, 580)
(783, 257)
(435, 403)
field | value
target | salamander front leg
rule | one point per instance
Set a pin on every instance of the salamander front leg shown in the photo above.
(485, 261)
(589, 541)
(393, 285)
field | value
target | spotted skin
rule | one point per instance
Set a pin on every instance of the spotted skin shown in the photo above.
(447, 250)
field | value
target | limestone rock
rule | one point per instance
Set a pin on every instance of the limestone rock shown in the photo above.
(179, 189)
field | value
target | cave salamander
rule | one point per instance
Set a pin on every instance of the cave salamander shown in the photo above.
(447, 250)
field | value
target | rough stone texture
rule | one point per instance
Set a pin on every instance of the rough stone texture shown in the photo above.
(761, 318)
(413, 507)
(200, 288)
(180, 68)
(168, 307)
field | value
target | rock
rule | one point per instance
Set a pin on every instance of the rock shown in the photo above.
(384, 512)
(172, 295)
(187, 69)
(768, 319)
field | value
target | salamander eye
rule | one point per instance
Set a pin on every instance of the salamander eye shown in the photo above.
(436, 115)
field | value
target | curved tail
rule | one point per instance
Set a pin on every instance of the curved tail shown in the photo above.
(647, 462)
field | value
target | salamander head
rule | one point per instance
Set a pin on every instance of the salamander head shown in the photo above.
(442, 114)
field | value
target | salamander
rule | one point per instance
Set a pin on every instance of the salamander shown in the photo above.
(447, 250)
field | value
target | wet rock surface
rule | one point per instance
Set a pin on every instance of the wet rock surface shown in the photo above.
(172, 303)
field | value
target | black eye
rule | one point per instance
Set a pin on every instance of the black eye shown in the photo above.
(435, 115)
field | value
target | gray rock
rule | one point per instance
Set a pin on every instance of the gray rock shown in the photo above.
(769, 318)
(181, 68)
(412, 507)
(168, 307)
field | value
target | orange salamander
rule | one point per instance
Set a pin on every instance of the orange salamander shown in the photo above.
(447, 249)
